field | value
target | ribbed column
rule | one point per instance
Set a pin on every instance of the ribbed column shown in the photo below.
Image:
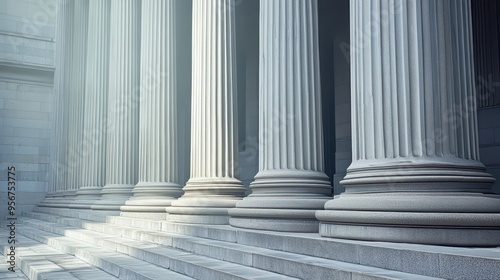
(93, 169)
(415, 175)
(76, 92)
(123, 105)
(158, 164)
(213, 187)
(291, 183)
(58, 167)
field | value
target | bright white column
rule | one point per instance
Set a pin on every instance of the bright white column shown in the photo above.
(75, 98)
(291, 183)
(213, 187)
(58, 168)
(158, 164)
(415, 175)
(123, 112)
(93, 169)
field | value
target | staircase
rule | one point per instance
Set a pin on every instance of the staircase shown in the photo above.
(57, 243)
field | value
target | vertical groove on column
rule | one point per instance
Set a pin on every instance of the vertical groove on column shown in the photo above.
(355, 130)
(213, 187)
(396, 68)
(291, 183)
(58, 159)
(286, 146)
(68, 58)
(95, 104)
(123, 104)
(157, 186)
(214, 89)
(76, 95)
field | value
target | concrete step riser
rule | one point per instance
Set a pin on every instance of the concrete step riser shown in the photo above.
(92, 258)
(284, 266)
(434, 261)
(179, 242)
(42, 262)
(151, 257)
(171, 263)
(264, 261)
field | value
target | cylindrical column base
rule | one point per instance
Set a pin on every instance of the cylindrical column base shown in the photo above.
(67, 198)
(150, 200)
(206, 201)
(51, 199)
(441, 218)
(113, 196)
(283, 200)
(85, 197)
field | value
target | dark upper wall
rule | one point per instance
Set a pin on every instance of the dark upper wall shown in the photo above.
(486, 32)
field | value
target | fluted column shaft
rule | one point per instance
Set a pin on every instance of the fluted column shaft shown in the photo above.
(58, 166)
(213, 186)
(158, 164)
(75, 96)
(415, 175)
(95, 105)
(61, 85)
(291, 183)
(123, 105)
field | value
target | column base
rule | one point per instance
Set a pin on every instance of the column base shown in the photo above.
(146, 208)
(113, 197)
(206, 201)
(150, 200)
(145, 215)
(287, 221)
(63, 201)
(207, 210)
(283, 200)
(51, 199)
(454, 219)
(279, 214)
(85, 197)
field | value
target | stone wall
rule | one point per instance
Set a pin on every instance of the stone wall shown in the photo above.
(342, 88)
(486, 28)
(489, 141)
(26, 77)
(247, 20)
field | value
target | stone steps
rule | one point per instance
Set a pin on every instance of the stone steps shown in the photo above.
(434, 261)
(119, 265)
(290, 264)
(35, 260)
(176, 260)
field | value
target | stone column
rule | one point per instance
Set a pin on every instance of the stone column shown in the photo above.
(213, 187)
(123, 105)
(58, 168)
(291, 183)
(415, 175)
(76, 93)
(93, 169)
(158, 164)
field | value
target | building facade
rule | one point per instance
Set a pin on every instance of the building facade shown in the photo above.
(27, 49)
(415, 174)
(358, 120)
